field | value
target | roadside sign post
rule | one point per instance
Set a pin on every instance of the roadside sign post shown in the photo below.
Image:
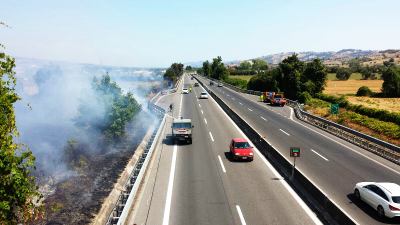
(294, 153)
(335, 109)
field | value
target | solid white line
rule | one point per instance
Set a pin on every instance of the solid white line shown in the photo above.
(263, 118)
(359, 153)
(202, 112)
(303, 205)
(285, 132)
(167, 208)
(211, 136)
(240, 103)
(222, 164)
(240, 215)
(319, 155)
(250, 109)
(291, 113)
(205, 121)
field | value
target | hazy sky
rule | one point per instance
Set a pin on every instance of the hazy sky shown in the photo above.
(158, 32)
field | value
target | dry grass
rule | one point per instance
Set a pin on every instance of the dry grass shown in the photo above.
(390, 104)
(243, 77)
(351, 86)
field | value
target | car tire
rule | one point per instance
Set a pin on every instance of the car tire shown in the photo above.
(357, 194)
(381, 211)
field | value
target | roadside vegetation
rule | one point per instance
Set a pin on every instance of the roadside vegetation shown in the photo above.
(19, 194)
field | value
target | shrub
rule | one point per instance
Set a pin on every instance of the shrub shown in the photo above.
(364, 91)
(304, 97)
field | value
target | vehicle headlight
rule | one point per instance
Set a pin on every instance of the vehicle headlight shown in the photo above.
(251, 153)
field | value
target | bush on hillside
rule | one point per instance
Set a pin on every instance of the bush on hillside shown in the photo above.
(364, 91)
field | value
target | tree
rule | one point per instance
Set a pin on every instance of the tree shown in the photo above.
(207, 68)
(245, 65)
(264, 81)
(364, 91)
(314, 77)
(366, 73)
(17, 185)
(391, 81)
(173, 72)
(218, 70)
(188, 68)
(291, 70)
(343, 74)
(355, 65)
(259, 64)
(177, 68)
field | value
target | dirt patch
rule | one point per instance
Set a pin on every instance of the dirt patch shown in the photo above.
(335, 87)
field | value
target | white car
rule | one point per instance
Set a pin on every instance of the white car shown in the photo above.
(185, 91)
(220, 85)
(383, 197)
(204, 95)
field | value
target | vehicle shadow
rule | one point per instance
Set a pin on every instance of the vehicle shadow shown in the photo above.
(370, 211)
(229, 156)
(170, 141)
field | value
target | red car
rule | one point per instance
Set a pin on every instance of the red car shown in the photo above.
(241, 149)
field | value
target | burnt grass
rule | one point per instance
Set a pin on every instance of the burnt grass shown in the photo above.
(77, 199)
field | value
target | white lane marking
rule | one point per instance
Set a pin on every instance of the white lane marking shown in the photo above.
(202, 112)
(319, 155)
(359, 153)
(222, 164)
(167, 208)
(199, 105)
(303, 205)
(228, 95)
(205, 121)
(284, 132)
(291, 113)
(233, 98)
(240, 215)
(240, 103)
(263, 118)
(211, 136)
(250, 109)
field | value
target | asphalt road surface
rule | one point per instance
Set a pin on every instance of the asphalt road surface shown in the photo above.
(199, 184)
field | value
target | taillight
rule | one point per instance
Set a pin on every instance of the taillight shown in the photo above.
(392, 208)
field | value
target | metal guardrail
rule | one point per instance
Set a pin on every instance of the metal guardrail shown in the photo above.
(384, 149)
(125, 200)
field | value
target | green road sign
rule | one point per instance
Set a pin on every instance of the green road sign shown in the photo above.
(334, 108)
(294, 152)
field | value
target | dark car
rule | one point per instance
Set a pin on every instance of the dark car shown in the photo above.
(196, 84)
(211, 83)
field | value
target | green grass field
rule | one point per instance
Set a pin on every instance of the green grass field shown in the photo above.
(243, 77)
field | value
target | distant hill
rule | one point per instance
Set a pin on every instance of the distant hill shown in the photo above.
(330, 58)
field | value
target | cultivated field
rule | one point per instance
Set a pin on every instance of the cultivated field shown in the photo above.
(390, 104)
(335, 87)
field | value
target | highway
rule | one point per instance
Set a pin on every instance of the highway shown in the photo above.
(198, 184)
(331, 163)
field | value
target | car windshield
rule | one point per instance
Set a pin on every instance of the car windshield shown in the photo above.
(396, 199)
(203, 93)
(181, 125)
(185, 89)
(242, 145)
(278, 96)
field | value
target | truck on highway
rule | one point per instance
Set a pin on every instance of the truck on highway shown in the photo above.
(274, 98)
(182, 130)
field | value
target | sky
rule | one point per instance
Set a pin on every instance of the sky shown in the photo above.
(156, 33)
